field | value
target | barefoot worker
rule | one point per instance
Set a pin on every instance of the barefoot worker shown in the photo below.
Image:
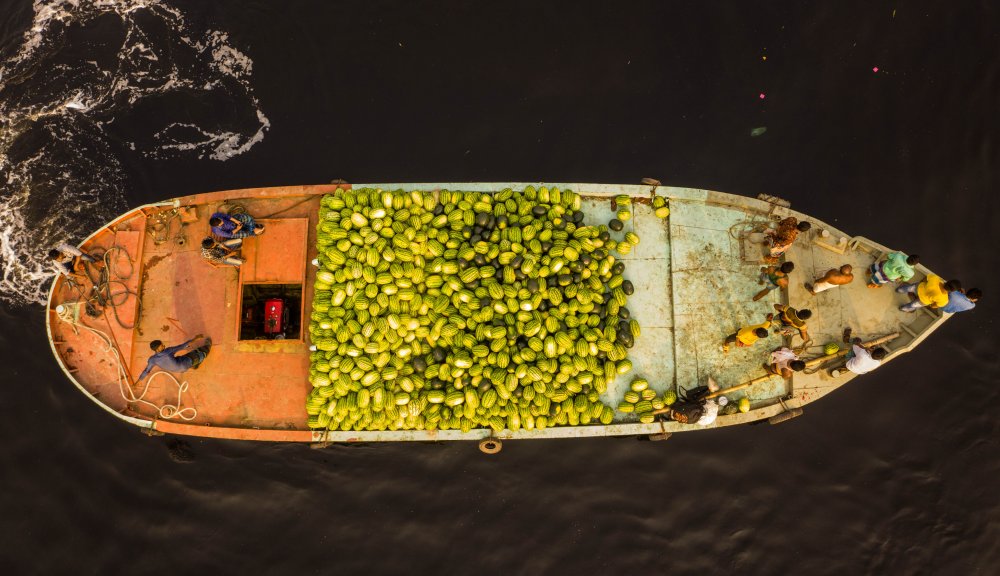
(834, 277)
(782, 237)
(931, 293)
(861, 360)
(67, 259)
(792, 320)
(748, 336)
(178, 358)
(224, 252)
(773, 277)
(234, 225)
(784, 363)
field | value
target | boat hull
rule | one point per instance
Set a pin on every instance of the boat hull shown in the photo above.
(694, 274)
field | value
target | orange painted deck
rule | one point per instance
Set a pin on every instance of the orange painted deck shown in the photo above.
(85, 353)
(250, 389)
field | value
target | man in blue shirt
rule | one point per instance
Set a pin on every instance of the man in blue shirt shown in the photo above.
(959, 302)
(178, 358)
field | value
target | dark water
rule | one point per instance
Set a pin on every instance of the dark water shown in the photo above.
(895, 474)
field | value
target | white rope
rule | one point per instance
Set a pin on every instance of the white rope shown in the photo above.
(170, 410)
(70, 313)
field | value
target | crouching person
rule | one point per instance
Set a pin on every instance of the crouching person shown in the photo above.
(67, 259)
(235, 225)
(694, 408)
(784, 362)
(222, 252)
(861, 360)
(748, 335)
(180, 358)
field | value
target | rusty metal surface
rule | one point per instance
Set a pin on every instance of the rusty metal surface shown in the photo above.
(280, 257)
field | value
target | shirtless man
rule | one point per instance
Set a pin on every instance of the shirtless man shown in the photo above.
(834, 277)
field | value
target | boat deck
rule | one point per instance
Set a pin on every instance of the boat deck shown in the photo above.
(694, 277)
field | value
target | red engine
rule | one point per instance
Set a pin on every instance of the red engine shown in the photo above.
(275, 317)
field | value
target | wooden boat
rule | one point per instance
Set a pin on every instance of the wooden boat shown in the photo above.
(694, 275)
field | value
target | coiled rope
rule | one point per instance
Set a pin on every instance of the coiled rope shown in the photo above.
(109, 276)
(70, 313)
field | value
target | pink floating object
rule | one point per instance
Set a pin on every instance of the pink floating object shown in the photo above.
(875, 69)
(761, 95)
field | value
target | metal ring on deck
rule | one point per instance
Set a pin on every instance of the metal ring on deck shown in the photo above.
(490, 445)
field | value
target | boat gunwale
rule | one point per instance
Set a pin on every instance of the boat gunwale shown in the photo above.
(681, 194)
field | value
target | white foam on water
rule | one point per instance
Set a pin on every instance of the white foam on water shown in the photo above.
(64, 126)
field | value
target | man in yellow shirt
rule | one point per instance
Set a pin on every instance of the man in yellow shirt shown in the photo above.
(932, 292)
(748, 336)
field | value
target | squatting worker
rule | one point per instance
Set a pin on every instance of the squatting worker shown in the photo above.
(791, 320)
(178, 358)
(234, 225)
(861, 360)
(222, 252)
(834, 277)
(66, 259)
(784, 362)
(748, 335)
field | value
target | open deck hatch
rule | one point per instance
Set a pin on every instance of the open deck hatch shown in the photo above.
(271, 312)
(271, 281)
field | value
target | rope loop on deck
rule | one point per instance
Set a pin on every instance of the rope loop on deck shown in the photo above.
(70, 313)
(168, 411)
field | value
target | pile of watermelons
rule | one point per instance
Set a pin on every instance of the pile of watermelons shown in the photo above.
(462, 310)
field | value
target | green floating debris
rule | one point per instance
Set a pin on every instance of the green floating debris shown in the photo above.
(758, 131)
